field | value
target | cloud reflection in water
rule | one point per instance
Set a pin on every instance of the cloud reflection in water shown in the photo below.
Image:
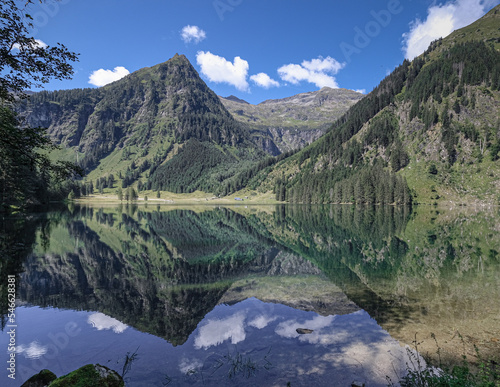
(102, 322)
(216, 331)
(33, 351)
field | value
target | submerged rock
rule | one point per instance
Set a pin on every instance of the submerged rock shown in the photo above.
(88, 375)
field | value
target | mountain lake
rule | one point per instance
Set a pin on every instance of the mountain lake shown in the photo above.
(250, 295)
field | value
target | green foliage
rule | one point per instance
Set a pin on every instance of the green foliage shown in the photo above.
(383, 130)
(474, 62)
(199, 166)
(280, 190)
(90, 375)
(131, 194)
(17, 238)
(495, 150)
(23, 62)
(369, 185)
(43, 378)
(246, 176)
(27, 171)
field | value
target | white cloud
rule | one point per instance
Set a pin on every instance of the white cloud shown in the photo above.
(103, 322)
(217, 331)
(264, 80)
(442, 19)
(192, 34)
(319, 71)
(218, 69)
(102, 77)
(362, 91)
(321, 65)
(38, 43)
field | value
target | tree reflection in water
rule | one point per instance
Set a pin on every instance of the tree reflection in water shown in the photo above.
(163, 271)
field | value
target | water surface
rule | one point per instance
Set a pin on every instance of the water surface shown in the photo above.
(214, 296)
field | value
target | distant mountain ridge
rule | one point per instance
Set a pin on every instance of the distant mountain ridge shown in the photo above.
(292, 122)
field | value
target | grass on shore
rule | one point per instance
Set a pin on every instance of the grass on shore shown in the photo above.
(482, 373)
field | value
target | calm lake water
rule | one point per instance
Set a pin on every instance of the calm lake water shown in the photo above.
(218, 295)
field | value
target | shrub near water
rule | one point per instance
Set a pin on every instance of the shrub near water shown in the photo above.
(487, 374)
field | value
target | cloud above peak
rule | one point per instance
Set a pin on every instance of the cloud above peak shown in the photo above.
(442, 20)
(220, 70)
(319, 71)
(264, 80)
(192, 34)
(102, 77)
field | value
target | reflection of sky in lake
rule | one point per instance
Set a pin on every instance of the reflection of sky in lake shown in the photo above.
(100, 321)
(32, 350)
(249, 343)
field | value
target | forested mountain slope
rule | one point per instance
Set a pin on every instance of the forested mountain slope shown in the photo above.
(429, 131)
(138, 129)
(162, 128)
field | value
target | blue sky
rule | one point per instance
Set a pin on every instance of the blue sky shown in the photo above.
(254, 49)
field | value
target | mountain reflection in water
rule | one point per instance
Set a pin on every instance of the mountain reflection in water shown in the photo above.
(210, 295)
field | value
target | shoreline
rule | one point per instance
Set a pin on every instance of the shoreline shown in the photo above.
(264, 199)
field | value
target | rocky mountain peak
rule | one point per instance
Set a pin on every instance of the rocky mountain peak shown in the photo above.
(235, 99)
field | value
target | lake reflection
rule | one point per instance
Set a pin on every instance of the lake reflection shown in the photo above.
(215, 296)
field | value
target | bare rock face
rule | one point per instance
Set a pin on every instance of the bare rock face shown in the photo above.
(292, 122)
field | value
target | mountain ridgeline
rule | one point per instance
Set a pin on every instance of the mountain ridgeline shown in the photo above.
(133, 129)
(282, 125)
(430, 131)
(416, 136)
